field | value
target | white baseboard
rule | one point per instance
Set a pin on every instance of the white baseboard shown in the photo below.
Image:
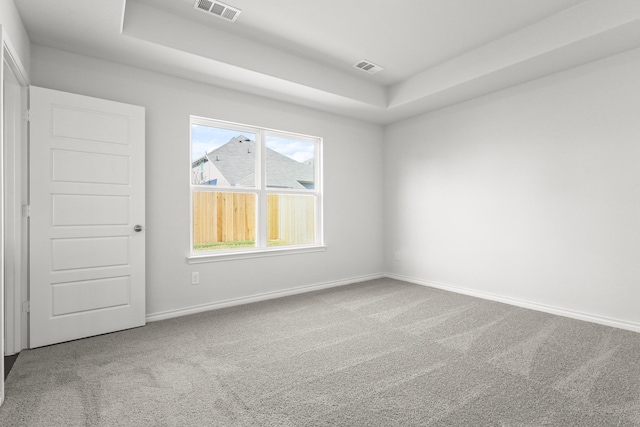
(621, 324)
(162, 315)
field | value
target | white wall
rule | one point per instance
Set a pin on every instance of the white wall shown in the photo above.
(12, 24)
(532, 193)
(352, 170)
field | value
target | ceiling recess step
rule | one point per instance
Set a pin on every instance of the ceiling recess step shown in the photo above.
(368, 67)
(219, 9)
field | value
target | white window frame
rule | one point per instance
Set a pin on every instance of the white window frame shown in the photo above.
(261, 191)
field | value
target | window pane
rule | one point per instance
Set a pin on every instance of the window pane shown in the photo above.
(222, 157)
(223, 220)
(291, 219)
(290, 163)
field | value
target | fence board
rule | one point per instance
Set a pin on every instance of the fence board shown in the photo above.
(273, 217)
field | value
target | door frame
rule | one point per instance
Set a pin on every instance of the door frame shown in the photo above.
(15, 188)
(16, 321)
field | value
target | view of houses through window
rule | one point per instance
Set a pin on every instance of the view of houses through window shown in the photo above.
(252, 188)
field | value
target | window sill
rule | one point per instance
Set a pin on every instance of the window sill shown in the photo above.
(259, 253)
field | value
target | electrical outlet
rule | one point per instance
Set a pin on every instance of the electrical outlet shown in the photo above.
(397, 255)
(195, 278)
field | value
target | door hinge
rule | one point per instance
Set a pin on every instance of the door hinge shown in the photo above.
(26, 115)
(26, 211)
(26, 306)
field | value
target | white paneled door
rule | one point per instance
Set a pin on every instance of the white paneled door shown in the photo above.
(87, 238)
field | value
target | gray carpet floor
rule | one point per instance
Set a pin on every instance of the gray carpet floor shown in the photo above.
(378, 353)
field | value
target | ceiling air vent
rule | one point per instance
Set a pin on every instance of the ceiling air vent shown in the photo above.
(368, 67)
(218, 9)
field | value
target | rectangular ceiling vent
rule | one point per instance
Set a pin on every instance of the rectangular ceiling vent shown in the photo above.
(368, 67)
(218, 9)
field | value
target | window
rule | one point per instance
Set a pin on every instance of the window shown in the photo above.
(253, 189)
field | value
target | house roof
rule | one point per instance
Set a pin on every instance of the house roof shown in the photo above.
(236, 162)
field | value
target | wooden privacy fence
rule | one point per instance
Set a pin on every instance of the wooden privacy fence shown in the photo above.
(291, 218)
(223, 217)
(231, 217)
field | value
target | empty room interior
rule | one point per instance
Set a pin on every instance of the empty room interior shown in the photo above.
(297, 213)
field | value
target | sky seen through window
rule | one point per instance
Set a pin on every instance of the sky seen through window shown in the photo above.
(207, 138)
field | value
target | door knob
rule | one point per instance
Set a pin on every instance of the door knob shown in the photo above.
(137, 228)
